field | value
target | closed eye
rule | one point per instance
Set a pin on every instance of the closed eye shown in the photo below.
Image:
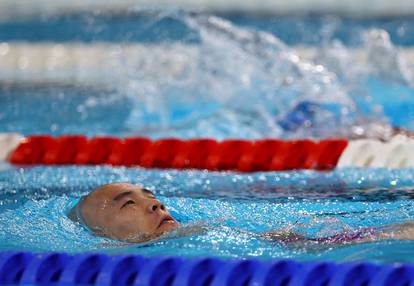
(130, 202)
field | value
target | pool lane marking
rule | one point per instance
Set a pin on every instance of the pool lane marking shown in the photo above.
(364, 153)
(94, 64)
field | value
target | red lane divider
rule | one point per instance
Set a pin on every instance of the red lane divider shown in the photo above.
(161, 153)
(97, 150)
(281, 155)
(239, 155)
(129, 152)
(226, 155)
(330, 151)
(260, 156)
(194, 154)
(299, 151)
(64, 149)
(31, 150)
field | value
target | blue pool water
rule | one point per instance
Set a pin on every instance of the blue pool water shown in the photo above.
(153, 26)
(239, 81)
(35, 202)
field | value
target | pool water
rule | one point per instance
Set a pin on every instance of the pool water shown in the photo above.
(238, 77)
(199, 92)
(35, 202)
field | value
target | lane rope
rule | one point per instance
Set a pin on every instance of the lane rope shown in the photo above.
(206, 153)
(94, 64)
(26, 268)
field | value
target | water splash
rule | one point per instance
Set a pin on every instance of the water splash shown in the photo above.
(250, 75)
(385, 61)
(247, 81)
(377, 76)
(221, 80)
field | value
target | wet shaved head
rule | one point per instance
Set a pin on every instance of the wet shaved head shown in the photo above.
(123, 211)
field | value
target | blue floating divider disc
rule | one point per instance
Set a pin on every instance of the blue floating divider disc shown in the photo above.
(83, 269)
(198, 272)
(159, 272)
(12, 266)
(354, 274)
(278, 273)
(314, 274)
(399, 275)
(236, 273)
(45, 269)
(121, 270)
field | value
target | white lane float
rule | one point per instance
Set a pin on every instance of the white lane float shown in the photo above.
(8, 143)
(100, 64)
(395, 153)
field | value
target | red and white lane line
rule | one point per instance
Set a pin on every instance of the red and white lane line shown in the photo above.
(209, 154)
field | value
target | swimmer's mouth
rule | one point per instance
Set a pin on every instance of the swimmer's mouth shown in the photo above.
(166, 219)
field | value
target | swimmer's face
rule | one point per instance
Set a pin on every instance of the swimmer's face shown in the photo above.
(124, 211)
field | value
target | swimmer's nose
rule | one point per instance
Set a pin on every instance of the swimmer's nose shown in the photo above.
(156, 206)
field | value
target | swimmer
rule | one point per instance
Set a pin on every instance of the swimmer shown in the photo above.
(123, 211)
(303, 117)
(127, 212)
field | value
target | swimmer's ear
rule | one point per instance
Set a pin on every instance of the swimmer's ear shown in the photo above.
(96, 231)
(99, 233)
(72, 215)
(75, 214)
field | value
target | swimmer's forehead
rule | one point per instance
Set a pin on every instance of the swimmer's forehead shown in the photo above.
(125, 193)
(116, 192)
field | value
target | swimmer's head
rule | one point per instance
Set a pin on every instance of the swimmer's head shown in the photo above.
(123, 211)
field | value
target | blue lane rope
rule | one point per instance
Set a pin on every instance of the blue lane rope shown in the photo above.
(25, 268)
